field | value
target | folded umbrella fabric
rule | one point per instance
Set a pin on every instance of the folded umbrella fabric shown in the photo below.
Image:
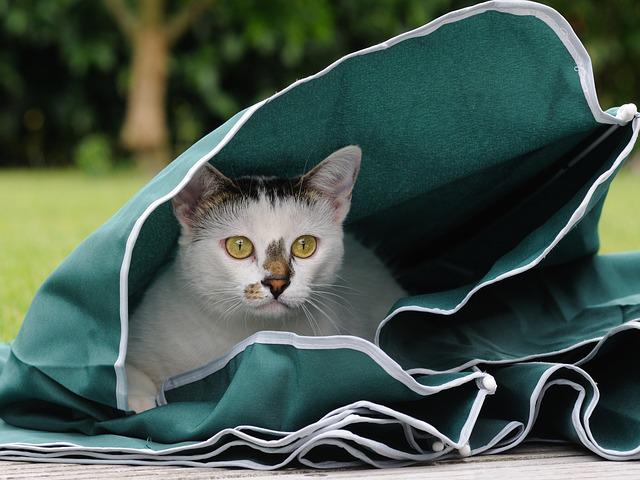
(486, 161)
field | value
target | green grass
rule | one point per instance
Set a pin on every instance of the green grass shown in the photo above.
(620, 221)
(45, 214)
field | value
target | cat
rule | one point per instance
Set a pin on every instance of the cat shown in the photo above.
(256, 253)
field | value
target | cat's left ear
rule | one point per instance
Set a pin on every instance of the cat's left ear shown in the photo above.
(335, 177)
(206, 182)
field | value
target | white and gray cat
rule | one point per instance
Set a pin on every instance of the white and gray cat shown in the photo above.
(256, 253)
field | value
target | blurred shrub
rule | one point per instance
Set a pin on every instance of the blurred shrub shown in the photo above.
(67, 60)
(93, 154)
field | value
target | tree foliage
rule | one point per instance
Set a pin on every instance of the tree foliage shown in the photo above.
(65, 66)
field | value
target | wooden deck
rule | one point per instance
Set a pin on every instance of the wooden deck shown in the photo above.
(527, 462)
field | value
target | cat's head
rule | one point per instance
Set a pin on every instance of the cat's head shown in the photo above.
(264, 245)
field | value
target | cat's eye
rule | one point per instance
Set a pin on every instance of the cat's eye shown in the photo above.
(239, 247)
(304, 246)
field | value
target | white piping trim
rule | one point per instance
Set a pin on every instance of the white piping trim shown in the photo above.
(516, 7)
(573, 220)
(507, 435)
(598, 341)
(296, 443)
(319, 343)
(541, 388)
(337, 438)
(331, 428)
(580, 422)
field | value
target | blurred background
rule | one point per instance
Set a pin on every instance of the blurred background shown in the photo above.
(96, 96)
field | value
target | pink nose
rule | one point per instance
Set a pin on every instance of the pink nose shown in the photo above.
(276, 285)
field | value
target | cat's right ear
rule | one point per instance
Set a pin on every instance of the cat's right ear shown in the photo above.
(206, 181)
(335, 177)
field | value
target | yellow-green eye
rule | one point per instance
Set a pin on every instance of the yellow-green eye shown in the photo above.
(304, 246)
(239, 247)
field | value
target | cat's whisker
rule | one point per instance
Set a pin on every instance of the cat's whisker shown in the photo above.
(343, 281)
(222, 297)
(227, 319)
(335, 285)
(218, 292)
(315, 305)
(310, 319)
(221, 302)
(340, 329)
(325, 286)
(223, 288)
(319, 291)
(306, 315)
(231, 309)
(330, 296)
(322, 301)
(346, 305)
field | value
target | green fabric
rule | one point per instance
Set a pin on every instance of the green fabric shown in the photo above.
(482, 153)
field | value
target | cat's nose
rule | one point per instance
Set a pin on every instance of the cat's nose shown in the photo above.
(277, 285)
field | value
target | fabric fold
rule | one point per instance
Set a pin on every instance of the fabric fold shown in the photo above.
(486, 162)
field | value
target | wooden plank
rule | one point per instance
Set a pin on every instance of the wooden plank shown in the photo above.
(526, 462)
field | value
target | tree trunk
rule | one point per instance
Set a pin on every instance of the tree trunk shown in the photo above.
(145, 131)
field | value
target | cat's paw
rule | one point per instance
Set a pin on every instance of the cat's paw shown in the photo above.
(141, 404)
(142, 390)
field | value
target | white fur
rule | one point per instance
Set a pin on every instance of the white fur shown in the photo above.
(196, 309)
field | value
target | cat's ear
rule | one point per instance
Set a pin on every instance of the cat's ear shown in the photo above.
(206, 182)
(335, 177)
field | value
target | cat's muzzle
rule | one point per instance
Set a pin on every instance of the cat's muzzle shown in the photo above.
(277, 284)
